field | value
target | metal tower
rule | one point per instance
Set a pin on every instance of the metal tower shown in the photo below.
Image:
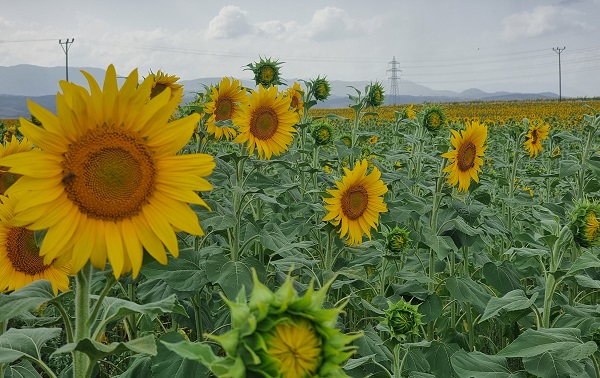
(394, 78)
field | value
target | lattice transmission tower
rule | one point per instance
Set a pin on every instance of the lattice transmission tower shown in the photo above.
(394, 78)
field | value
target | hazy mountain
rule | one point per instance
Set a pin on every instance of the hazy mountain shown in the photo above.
(17, 83)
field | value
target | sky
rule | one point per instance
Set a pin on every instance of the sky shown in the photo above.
(500, 45)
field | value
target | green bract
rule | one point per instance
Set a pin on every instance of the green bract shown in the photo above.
(266, 72)
(397, 241)
(584, 223)
(320, 88)
(375, 95)
(322, 133)
(433, 117)
(403, 319)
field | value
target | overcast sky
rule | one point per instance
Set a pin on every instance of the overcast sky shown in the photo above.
(500, 45)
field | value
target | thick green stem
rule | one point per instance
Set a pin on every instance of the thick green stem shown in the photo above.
(551, 282)
(198, 315)
(66, 321)
(81, 362)
(234, 243)
(548, 294)
(3, 325)
(584, 157)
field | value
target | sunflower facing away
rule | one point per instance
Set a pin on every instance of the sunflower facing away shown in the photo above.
(465, 159)
(267, 123)
(226, 100)
(356, 203)
(535, 136)
(162, 80)
(20, 262)
(107, 182)
(294, 93)
(584, 225)
(13, 147)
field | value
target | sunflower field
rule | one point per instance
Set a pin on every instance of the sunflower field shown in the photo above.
(248, 234)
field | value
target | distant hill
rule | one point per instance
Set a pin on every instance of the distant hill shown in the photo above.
(17, 83)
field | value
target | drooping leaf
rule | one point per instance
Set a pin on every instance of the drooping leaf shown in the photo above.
(565, 342)
(465, 290)
(27, 342)
(167, 363)
(479, 365)
(549, 365)
(511, 301)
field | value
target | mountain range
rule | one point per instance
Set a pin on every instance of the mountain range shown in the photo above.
(40, 84)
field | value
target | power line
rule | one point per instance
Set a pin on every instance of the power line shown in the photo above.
(65, 48)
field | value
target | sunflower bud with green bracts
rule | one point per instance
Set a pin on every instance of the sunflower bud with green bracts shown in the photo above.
(322, 133)
(347, 139)
(375, 95)
(433, 118)
(397, 241)
(266, 72)
(320, 88)
(403, 319)
(277, 334)
(584, 224)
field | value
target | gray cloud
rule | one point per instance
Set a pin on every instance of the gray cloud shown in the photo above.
(541, 20)
(231, 22)
(332, 23)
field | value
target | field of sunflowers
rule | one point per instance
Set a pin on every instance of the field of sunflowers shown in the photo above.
(248, 234)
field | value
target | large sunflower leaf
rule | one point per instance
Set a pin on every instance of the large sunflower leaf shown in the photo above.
(168, 363)
(565, 342)
(464, 289)
(28, 342)
(503, 277)
(97, 351)
(117, 308)
(27, 298)
(511, 301)
(438, 355)
(549, 365)
(479, 365)
(22, 369)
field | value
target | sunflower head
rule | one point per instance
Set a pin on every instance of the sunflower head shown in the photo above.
(322, 133)
(19, 255)
(433, 117)
(466, 157)
(375, 95)
(403, 319)
(282, 334)
(373, 139)
(225, 101)
(295, 93)
(556, 152)
(320, 88)
(356, 202)
(266, 72)
(347, 139)
(397, 241)
(161, 81)
(535, 135)
(585, 223)
(408, 112)
(7, 179)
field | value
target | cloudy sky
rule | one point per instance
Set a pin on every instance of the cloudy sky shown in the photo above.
(503, 45)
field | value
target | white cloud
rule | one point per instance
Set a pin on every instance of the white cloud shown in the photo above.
(332, 23)
(541, 20)
(231, 22)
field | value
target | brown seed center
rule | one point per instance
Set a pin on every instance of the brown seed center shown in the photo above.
(223, 109)
(466, 156)
(109, 174)
(355, 201)
(264, 123)
(23, 252)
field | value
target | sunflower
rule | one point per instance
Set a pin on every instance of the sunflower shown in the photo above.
(13, 147)
(397, 241)
(584, 223)
(294, 93)
(278, 334)
(322, 133)
(163, 80)
(465, 160)
(402, 319)
(20, 262)
(375, 95)
(433, 117)
(357, 202)
(266, 72)
(320, 88)
(267, 123)
(107, 182)
(535, 136)
(226, 100)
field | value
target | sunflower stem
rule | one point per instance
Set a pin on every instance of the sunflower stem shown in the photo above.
(584, 157)
(81, 361)
(551, 282)
(196, 300)
(3, 325)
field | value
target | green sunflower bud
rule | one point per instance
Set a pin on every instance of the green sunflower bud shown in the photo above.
(320, 88)
(403, 319)
(584, 224)
(347, 139)
(322, 133)
(397, 241)
(375, 95)
(277, 334)
(266, 72)
(433, 118)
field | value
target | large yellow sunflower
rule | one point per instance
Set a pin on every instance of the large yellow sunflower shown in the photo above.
(294, 93)
(226, 100)
(357, 202)
(20, 262)
(13, 147)
(535, 136)
(465, 159)
(107, 182)
(267, 123)
(162, 80)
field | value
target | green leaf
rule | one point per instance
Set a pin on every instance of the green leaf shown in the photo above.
(139, 368)
(97, 351)
(202, 353)
(22, 369)
(586, 260)
(565, 341)
(548, 365)
(438, 355)
(25, 299)
(479, 365)
(27, 342)
(414, 360)
(371, 344)
(234, 275)
(117, 308)
(168, 363)
(587, 282)
(567, 168)
(502, 277)
(185, 273)
(465, 290)
(512, 301)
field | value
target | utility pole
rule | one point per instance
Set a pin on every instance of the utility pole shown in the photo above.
(394, 78)
(558, 50)
(65, 48)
